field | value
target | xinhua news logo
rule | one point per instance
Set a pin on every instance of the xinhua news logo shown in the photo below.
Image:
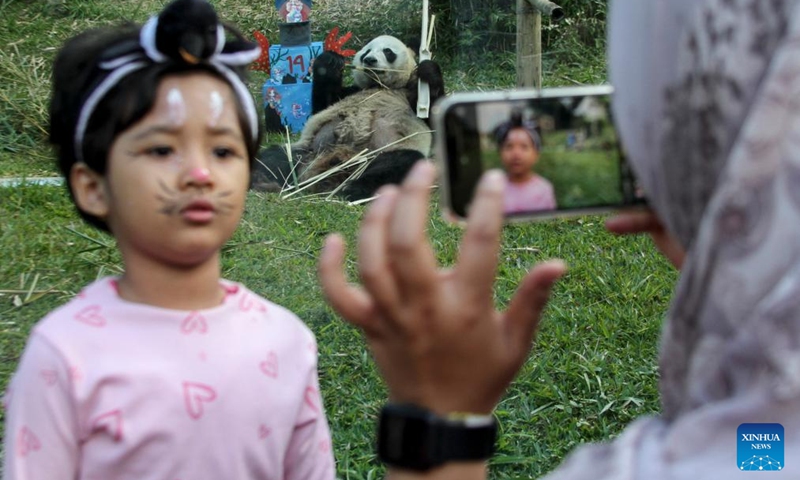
(760, 447)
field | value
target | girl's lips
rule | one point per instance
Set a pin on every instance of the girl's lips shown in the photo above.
(198, 211)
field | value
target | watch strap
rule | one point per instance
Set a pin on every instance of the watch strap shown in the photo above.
(467, 438)
(414, 438)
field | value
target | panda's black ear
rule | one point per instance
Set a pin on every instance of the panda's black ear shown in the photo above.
(414, 44)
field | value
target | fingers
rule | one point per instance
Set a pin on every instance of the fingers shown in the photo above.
(350, 302)
(373, 260)
(525, 311)
(410, 254)
(477, 259)
(671, 249)
(634, 222)
(648, 222)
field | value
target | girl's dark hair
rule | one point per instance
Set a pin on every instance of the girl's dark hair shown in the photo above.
(516, 121)
(76, 74)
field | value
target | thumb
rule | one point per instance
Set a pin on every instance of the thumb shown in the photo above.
(525, 311)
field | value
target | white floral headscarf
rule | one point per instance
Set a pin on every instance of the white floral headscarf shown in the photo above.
(708, 104)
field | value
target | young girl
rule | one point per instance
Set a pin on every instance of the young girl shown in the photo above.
(525, 191)
(168, 371)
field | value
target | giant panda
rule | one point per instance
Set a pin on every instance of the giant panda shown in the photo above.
(377, 112)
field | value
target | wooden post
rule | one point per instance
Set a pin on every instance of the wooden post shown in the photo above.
(529, 39)
(529, 45)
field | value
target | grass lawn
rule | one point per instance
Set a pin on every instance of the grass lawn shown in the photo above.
(593, 369)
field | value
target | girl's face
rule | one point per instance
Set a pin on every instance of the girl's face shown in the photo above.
(518, 153)
(177, 180)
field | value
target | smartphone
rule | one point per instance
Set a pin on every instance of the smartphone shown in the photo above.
(558, 148)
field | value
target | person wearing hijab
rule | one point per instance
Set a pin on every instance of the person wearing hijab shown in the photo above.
(706, 105)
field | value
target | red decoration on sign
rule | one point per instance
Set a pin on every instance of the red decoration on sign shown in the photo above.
(334, 44)
(262, 63)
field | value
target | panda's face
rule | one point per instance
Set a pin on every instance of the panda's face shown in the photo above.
(384, 62)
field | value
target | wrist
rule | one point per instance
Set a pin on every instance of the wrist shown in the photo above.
(450, 471)
(444, 407)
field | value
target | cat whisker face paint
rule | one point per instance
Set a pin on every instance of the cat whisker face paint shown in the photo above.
(195, 201)
(182, 193)
(174, 202)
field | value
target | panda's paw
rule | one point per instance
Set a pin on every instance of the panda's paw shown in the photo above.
(429, 71)
(328, 67)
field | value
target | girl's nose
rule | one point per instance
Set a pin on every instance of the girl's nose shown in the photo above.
(200, 175)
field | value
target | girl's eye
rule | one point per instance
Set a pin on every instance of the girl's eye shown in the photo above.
(160, 151)
(224, 152)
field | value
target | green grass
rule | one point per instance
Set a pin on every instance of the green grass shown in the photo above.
(585, 178)
(593, 369)
(594, 366)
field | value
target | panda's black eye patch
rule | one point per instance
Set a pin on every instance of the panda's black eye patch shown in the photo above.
(390, 55)
(365, 55)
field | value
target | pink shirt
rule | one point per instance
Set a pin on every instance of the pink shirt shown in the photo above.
(535, 194)
(110, 390)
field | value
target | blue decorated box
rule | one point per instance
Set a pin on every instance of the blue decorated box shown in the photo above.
(287, 93)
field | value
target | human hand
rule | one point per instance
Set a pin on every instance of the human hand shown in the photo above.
(648, 222)
(434, 333)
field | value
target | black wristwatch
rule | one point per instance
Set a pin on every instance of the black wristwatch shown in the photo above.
(413, 438)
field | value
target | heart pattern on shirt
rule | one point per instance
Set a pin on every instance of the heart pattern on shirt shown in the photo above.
(263, 431)
(194, 323)
(110, 422)
(247, 303)
(91, 316)
(270, 365)
(195, 395)
(27, 442)
(324, 446)
(50, 377)
(310, 398)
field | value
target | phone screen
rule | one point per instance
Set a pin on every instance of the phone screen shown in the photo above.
(559, 150)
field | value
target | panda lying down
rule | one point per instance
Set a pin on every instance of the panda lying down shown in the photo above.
(378, 112)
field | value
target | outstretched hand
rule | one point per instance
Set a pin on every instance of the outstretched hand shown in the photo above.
(435, 333)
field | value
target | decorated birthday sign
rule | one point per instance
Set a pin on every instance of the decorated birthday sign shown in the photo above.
(287, 91)
(292, 64)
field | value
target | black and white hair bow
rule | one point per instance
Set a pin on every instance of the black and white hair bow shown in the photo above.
(186, 31)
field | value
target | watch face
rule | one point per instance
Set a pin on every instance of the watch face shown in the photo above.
(407, 438)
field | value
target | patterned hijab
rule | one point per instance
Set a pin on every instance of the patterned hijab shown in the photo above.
(708, 99)
(708, 104)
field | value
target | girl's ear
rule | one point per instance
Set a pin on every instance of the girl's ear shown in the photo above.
(90, 190)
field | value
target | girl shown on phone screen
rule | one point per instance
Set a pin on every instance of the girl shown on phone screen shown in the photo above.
(519, 144)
